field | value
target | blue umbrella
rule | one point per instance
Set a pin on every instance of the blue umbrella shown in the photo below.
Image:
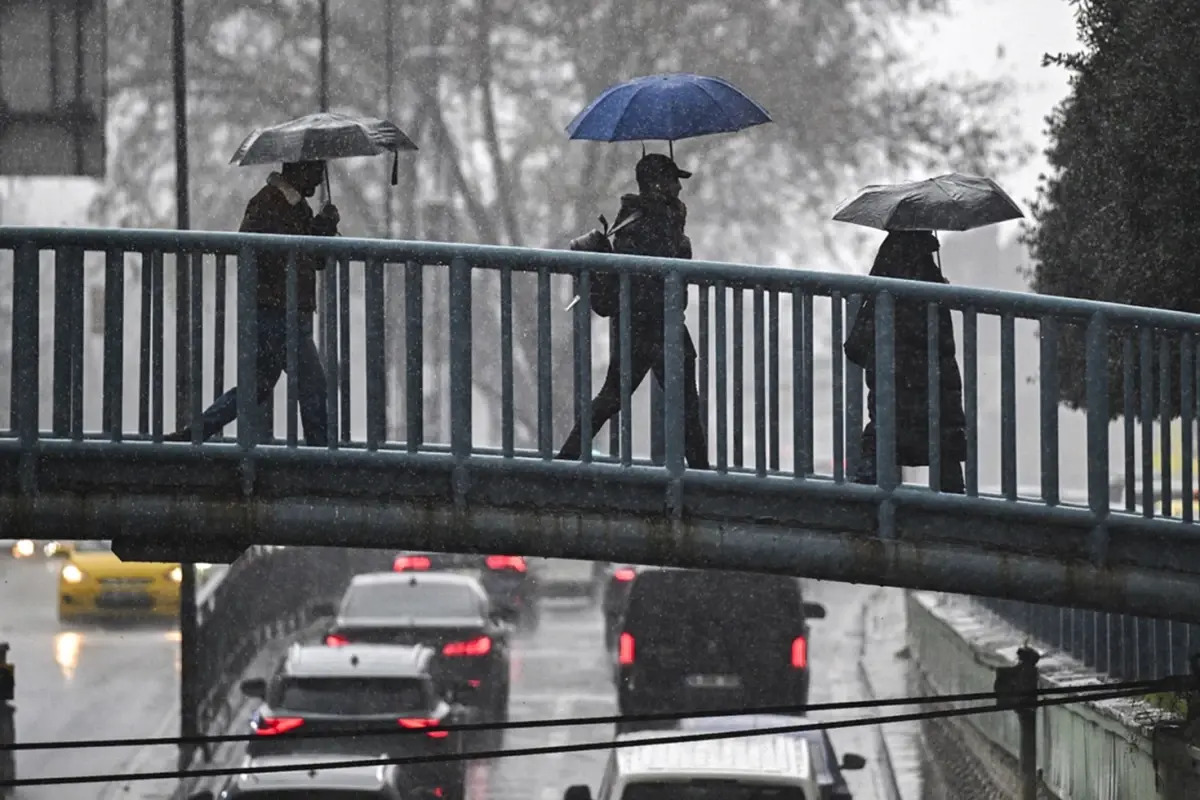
(667, 107)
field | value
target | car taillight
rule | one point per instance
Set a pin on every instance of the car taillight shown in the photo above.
(417, 723)
(515, 563)
(410, 562)
(624, 575)
(273, 726)
(336, 640)
(625, 649)
(800, 652)
(479, 646)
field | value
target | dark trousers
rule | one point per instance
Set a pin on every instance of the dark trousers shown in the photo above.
(951, 472)
(647, 354)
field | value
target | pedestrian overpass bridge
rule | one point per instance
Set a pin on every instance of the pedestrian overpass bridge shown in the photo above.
(453, 372)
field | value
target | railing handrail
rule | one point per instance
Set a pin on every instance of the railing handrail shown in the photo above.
(528, 259)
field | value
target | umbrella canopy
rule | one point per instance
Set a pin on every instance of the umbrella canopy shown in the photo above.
(951, 202)
(667, 107)
(321, 137)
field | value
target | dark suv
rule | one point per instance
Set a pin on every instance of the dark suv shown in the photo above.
(360, 688)
(703, 640)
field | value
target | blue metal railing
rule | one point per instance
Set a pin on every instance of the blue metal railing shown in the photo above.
(446, 335)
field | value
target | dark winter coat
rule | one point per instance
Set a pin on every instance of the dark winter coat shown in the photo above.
(658, 233)
(912, 362)
(280, 209)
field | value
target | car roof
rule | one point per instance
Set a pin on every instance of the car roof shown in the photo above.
(414, 579)
(357, 661)
(769, 756)
(367, 778)
(818, 738)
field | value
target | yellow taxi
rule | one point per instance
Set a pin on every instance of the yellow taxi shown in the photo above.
(93, 581)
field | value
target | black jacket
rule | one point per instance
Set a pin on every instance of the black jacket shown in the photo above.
(658, 233)
(271, 211)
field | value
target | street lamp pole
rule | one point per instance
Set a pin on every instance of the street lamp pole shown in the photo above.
(189, 724)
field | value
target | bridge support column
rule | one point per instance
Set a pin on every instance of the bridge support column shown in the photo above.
(1018, 685)
(8, 727)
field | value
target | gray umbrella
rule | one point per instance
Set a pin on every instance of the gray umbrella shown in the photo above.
(321, 137)
(950, 202)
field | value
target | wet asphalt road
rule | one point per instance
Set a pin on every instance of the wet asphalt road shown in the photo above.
(89, 682)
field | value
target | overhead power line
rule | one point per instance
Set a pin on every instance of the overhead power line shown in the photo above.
(1013, 703)
(1148, 686)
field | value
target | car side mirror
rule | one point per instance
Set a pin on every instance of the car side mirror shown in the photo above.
(814, 611)
(323, 609)
(204, 795)
(578, 792)
(254, 687)
(853, 761)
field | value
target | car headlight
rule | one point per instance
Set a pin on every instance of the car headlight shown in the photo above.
(72, 573)
(23, 548)
(176, 574)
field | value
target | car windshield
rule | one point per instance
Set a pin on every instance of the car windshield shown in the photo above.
(711, 790)
(103, 546)
(353, 696)
(411, 599)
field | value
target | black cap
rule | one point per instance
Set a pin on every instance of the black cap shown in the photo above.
(656, 165)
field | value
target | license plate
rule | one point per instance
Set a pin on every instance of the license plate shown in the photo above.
(713, 681)
(124, 600)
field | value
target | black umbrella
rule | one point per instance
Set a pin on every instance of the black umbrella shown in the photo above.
(950, 202)
(321, 137)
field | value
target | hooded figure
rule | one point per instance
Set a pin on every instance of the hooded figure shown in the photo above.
(908, 255)
(656, 231)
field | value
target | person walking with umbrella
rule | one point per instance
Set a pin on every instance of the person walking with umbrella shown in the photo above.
(911, 212)
(280, 207)
(908, 255)
(650, 223)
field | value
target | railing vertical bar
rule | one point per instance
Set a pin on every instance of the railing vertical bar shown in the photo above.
(1048, 395)
(247, 349)
(1129, 408)
(971, 397)
(583, 359)
(461, 387)
(739, 377)
(1008, 407)
(704, 345)
(1187, 351)
(721, 383)
(75, 263)
(838, 361)
(1164, 429)
(614, 425)
(114, 344)
(26, 344)
(625, 317)
(854, 394)
(376, 349)
(414, 355)
(1146, 347)
(156, 369)
(886, 468)
(1096, 395)
(220, 281)
(775, 389)
(506, 362)
(196, 348)
(799, 406)
(292, 354)
(329, 349)
(344, 346)
(673, 363)
(807, 346)
(545, 365)
(60, 409)
(934, 404)
(146, 313)
(760, 381)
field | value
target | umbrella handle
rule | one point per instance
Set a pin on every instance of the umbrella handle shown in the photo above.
(328, 191)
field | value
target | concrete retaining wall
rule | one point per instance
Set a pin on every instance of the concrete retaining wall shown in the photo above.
(1087, 751)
